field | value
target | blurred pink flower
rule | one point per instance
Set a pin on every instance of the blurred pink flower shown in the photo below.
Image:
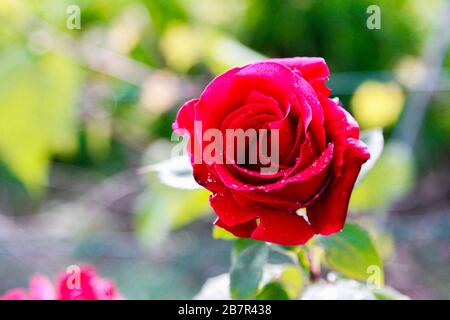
(41, 288)
(84, 284)
(15, 294)
(90, 287)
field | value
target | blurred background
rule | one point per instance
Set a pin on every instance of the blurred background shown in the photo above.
(88, 92)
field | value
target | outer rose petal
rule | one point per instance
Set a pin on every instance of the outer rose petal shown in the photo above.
(213, 107)
(184, 124)
(312, 69)
(41, 288)
(328, 212)
(229, 211)
(282, 228)
(265, 198)
(243, 230)
(340, 126)
(185, 118)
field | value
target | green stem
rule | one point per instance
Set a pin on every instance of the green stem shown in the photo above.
(314, 264)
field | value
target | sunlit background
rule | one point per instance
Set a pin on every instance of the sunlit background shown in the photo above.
(83, 110)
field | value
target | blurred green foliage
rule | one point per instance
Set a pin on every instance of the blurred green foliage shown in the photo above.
(157, 212)
(390, 178)
(335, 30)
(97, 96)
(94, 99)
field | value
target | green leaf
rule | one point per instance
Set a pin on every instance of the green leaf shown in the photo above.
(352, 253)
(247, 261)
(303, 261)
(220, 233)
(273, 291)
(190, 205)
(292, 280)
(387, 293)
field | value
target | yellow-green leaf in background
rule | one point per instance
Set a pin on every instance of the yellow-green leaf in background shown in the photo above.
(292, 280)
(388, 293)
(37, 118)
(220, 233)
(273, 291)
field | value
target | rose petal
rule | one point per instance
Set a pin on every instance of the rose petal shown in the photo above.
(310, 67)
(340, 126)
(260, 98)
(254, 177)
(185, 125)
(313, 69)
(307, 184)
(282, 228)
(185, 118)
(213, 106)
(242, 230)
(307, 153)
(230, 212)
(252, 118)
(317, 167)
(328, 212)
(286, 136)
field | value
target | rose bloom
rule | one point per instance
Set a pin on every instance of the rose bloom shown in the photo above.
(91, 287)
(320, 154)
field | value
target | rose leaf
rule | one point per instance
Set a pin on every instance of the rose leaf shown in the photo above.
(247, 261)
(352, 253)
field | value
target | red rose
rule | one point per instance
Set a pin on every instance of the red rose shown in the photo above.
(89, 286)
(85, 285)
(319, 151)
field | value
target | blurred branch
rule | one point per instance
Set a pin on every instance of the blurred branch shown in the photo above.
(435, 51)
(123, 68)
(113, 64)
(93, 207)
(345, 83)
